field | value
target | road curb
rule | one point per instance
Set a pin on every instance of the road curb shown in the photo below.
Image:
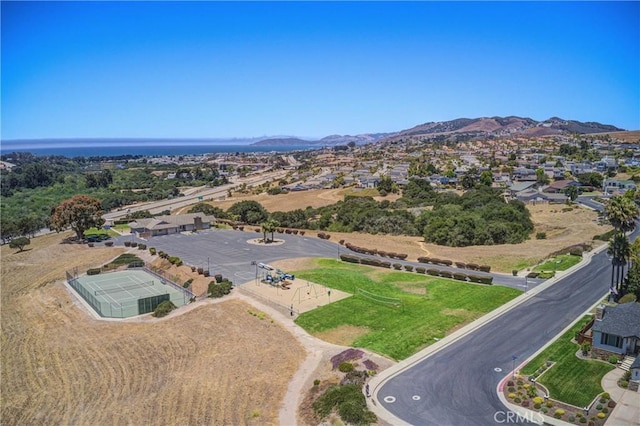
(379, 380)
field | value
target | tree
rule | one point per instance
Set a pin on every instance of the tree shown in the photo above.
(269, 226)
(622, 213)
(19, 243)
(80, 212)
(572, 192)
(486, 178)
(249, 211)
(541, 176)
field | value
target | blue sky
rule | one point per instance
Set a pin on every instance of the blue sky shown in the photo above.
(209, 69)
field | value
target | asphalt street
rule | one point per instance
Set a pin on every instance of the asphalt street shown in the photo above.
(457, 385)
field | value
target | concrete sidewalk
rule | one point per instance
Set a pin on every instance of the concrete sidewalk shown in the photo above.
(627, 409)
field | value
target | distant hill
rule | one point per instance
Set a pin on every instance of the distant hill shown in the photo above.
(463, 128)
(283, 141)
(331, 140)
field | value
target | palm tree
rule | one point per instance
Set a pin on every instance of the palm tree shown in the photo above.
(622, 213)
(268, 227)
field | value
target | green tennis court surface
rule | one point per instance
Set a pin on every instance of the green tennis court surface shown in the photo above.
(126, 294)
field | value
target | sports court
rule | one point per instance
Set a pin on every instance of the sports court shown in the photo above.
(125, 294)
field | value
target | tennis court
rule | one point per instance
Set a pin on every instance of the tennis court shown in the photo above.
(125, 294)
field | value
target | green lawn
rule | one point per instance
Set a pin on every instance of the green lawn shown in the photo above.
(571, 380)
(96, 231)
(559, 263)
(431, 306)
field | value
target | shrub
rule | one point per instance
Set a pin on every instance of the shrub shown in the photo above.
(219, 289)
(200, 271)
(605, 410)
(512, 395)
(424, 260)
(93, 271)
(541, 236)
(316, 382)
(446, 274)
(345, 367)
(537, 406)
(434, 272)
(142, 246)
(152, 251)
(544, 410)
(525, 403)
(484, 268)
(514, 272)
(460, 276)
(346, 355)
(109, 243)
(511, 389)
(572, 419)
(611, 404)
(473, 266)
(90, 244)
(613, 359)
(559, 412)
(349, 258)
(601, 415)
(163, 309)
(461, 265)
(583, 420)
(134, 244)
(599, 407)
(420, 270)
(627, 298)
(538, 400)
(517, 400)
(127, 243)
(408, 268)
(187, 283)
(549, 404)
(397, 266)
(585, 347)
(624, 384)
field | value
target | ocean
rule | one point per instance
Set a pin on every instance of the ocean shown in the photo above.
(90, 149)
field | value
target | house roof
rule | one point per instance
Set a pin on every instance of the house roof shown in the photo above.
(521, 186)
(621, 320)
(166, 222)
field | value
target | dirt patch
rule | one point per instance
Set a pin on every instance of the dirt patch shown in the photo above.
(343, 335)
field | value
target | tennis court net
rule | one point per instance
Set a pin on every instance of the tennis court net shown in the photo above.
(123, 288)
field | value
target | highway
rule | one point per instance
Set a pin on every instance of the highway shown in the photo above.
(457, 384)
(206, 193)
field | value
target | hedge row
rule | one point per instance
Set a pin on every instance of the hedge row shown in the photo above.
(435, 261)
(434, 272)
(365, 261)
(374, 252)
(473, 266)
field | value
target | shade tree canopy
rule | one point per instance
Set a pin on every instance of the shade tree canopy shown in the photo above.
(79, 213)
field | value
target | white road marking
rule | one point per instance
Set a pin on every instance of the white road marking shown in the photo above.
(416, 397)
(497, 369)
(389, 399)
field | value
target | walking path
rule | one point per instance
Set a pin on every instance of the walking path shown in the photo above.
(627, 410)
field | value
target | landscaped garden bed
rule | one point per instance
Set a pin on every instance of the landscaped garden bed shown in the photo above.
(570, 383)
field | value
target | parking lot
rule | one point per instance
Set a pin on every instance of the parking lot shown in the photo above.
(229, 252)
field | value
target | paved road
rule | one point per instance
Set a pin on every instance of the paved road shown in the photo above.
(457, 385)
(156, 207)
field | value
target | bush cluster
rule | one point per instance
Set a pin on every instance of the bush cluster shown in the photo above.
(435, 261)
(163, 309)
(349, 402)
(364, 250)
(219, 289)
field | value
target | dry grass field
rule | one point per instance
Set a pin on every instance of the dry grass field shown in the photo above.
(214, 364)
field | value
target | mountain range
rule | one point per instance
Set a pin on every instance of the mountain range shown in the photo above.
(459, 129)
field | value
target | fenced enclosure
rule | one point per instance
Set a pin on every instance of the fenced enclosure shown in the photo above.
(128, 293)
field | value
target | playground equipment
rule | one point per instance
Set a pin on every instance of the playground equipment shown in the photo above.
(310, 291)
(278, 278)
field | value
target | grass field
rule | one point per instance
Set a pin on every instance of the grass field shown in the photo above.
(571, 380)
(559, 263)
(431, 307)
